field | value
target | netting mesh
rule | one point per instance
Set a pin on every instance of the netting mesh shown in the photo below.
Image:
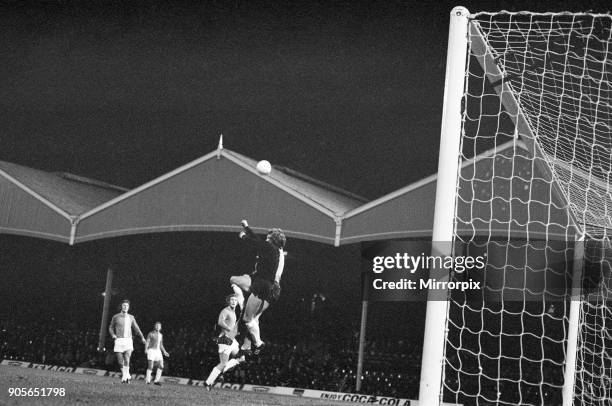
(558, 67)
(536, 177)
(594, 356)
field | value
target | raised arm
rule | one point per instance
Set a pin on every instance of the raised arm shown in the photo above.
(281, 266)
(248, 233)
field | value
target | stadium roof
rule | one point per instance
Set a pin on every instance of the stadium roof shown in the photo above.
(216, 191)
(483, 208)
(45, 205)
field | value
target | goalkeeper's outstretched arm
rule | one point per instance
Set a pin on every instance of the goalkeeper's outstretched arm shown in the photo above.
(248, 233)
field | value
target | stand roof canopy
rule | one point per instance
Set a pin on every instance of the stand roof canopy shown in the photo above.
(218, 190)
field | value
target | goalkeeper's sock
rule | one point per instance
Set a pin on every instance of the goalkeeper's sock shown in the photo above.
(148, 377)
(158, 374)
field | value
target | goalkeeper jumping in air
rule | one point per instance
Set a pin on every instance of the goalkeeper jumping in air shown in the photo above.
(263, 283)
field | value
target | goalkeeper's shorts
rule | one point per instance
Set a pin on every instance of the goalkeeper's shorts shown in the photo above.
(265, 289)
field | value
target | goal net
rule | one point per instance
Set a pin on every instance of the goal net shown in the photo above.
(534, 195)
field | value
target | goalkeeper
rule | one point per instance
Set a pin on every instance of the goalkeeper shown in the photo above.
(263, 283)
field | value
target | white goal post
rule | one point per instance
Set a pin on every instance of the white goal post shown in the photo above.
(535, 91)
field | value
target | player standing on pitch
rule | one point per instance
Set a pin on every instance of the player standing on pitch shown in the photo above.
(226, 340)
(155, 354)
(263, 283)
(120, 329)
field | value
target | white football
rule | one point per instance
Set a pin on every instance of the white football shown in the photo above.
(264, 167)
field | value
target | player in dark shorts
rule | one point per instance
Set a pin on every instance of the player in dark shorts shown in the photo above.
(263, 283)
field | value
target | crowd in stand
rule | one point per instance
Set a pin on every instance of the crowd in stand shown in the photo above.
(317, 353)
(305, 349)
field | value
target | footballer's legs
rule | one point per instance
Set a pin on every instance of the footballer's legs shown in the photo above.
(246, 343)
(126, 365)
(121, 362)
(242, 281)
(239, 295)
(239, 285)
(149, 371)
(234, 360)
(120, 359)
(254, 308)
(218, 369)
(158, 373)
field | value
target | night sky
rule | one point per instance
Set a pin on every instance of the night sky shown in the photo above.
(124, 91)
(347, 92)
(128, 92)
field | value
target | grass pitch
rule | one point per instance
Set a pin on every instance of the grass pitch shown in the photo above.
(96, 390)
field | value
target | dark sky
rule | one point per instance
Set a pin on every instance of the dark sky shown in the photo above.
(129, 92)
(347, 92)
(124, 91)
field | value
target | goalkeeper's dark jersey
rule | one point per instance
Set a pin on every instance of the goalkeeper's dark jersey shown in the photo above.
(268, 256)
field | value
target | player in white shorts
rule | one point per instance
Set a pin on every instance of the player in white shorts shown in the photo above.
(228, 346)
(120, 329)
(155, 349)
